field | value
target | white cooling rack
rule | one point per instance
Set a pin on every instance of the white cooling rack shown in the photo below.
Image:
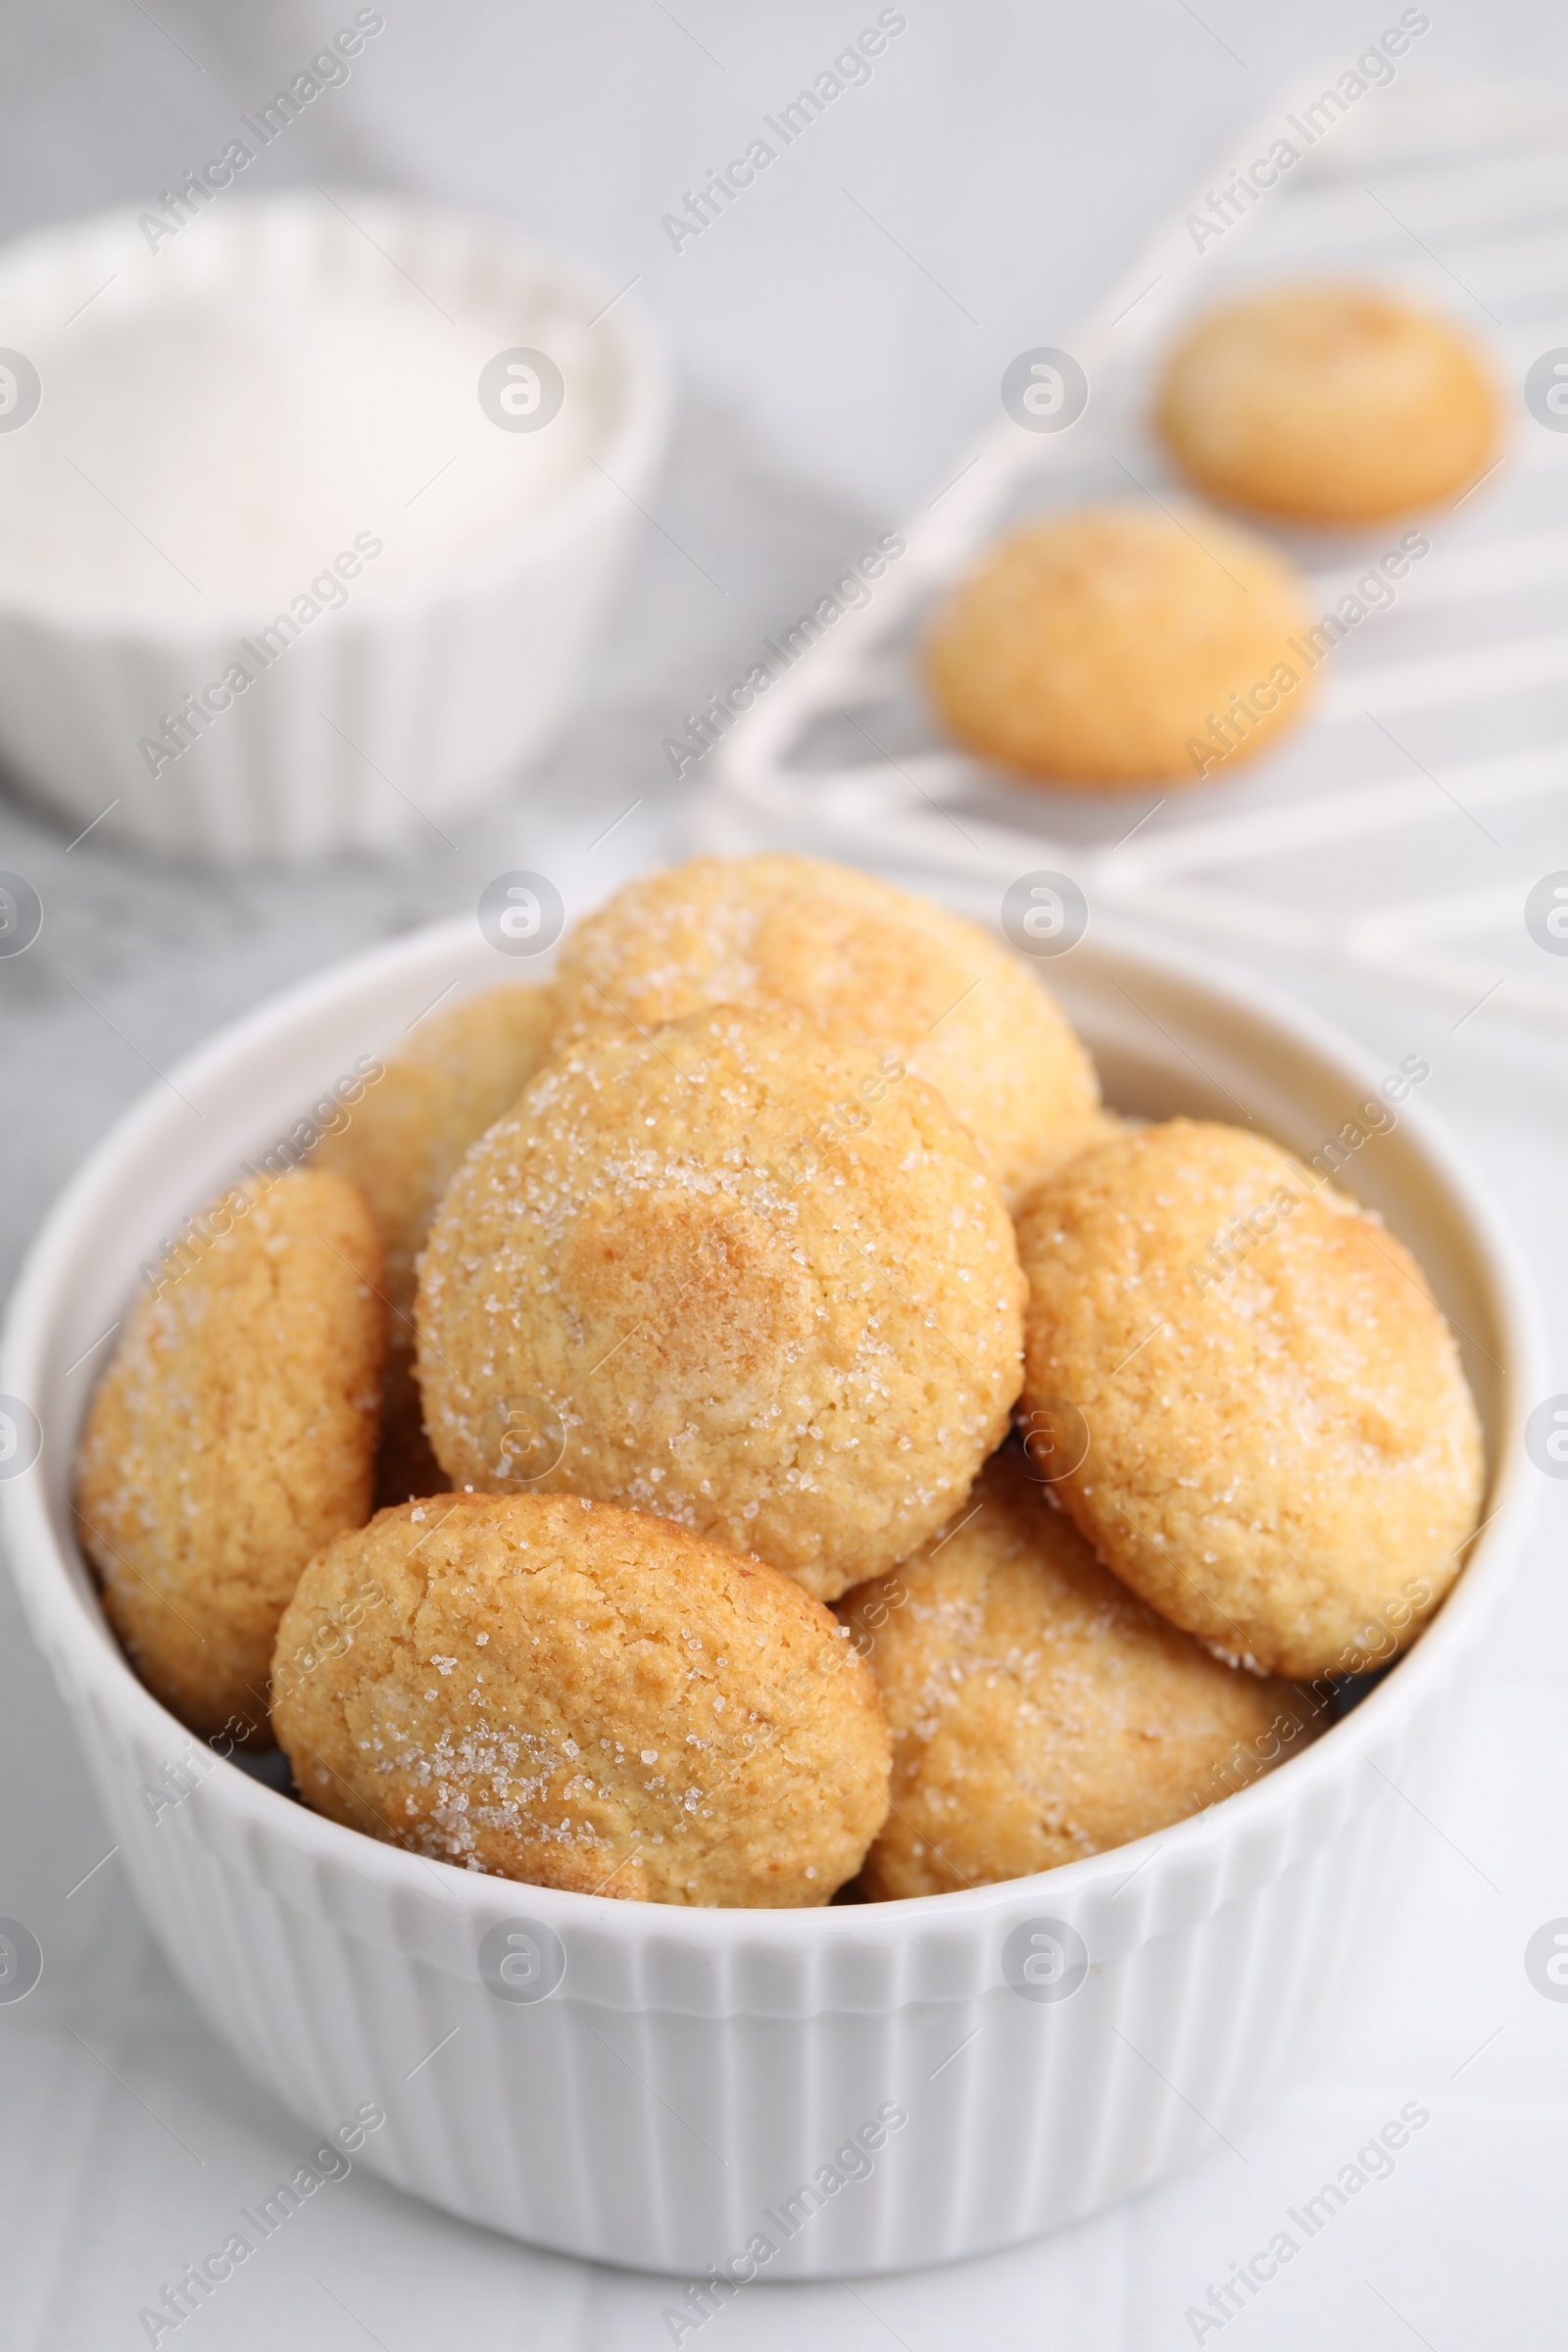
(1400, 829)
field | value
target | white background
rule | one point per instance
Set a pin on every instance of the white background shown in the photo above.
(839, 335)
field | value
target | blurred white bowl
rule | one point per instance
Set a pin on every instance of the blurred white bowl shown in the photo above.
(692, 2072)
(446, 664)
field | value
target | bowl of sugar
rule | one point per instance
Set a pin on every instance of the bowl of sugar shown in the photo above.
(311, 508)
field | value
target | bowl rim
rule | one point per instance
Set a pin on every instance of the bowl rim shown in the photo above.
(56, 1594)
(630, 450)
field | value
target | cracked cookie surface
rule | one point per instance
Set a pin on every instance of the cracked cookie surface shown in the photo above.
(581, 1696)
(736, 1275)
(1040, 1711)
(1283, 1455)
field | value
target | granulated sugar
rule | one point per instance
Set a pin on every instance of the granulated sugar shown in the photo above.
(208, 455)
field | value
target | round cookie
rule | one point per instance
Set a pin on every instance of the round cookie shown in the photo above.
(232, 1438)
(1123, 645)
(557, 1691)
(1039, 1711)
(1329, 404)
(874, 966)
(460, 1070)
(736, 1274)
(1283, 1455)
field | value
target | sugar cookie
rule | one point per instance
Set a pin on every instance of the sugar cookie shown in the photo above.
(1283, 1455)
(232, 1438)
(734, 1273)
(1097, 646)
(874, 966)
(581, 1696)
(459, 1071)
(1329, 404)
(1039, 1711)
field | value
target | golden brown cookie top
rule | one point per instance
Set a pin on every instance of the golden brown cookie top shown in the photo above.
(232, 1436)
(875, 966)
(1282, 1450)
(1329, 403)
(737, 1274)
(1094, 646)
(1040, 1711)
(581, 1696)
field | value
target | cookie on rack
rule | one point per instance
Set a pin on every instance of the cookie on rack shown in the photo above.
(580, 1696)
(1282, 1454)
(458, 1073)
(733, 1272)
(1120, 645)
(1040, 1711)
(1333, 404)
(873, 965)
(232, 1438)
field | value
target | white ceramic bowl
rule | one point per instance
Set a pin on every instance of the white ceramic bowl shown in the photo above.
(667, 2101)
(417, 696)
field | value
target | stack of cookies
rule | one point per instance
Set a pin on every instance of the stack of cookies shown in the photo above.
(820, 1444)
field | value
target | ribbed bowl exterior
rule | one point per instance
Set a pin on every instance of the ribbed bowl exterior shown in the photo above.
(859, 2088)
(412, 702)
(671, 2098)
